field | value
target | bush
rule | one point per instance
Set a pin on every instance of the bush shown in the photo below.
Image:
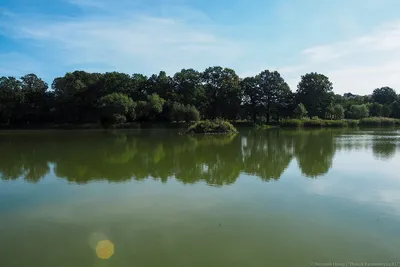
(313, 123)
(212, 127)
(353, 123)
(335, 123)
(377, 121)
(291, 123)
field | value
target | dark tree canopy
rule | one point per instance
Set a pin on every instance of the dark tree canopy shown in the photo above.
(384, 95)
(188, 95)
(315, 92)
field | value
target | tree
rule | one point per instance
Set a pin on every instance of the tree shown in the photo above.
(300, 112)
(384, 95)
(358, 112)
(35, 102)
(375, 109)
(396, 108)
(161, 85)
(338, 112)
(114, 108)
(251, 96)
(273, 91)
(191, 113)
(222, 92)
(189, 89)
(315, 92)
(387, 110)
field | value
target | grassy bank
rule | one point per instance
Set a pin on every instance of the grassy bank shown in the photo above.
(211, 127)
(375, 121)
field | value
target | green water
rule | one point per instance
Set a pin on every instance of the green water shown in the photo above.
(261, 198)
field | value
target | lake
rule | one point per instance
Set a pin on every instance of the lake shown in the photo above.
(156, 198)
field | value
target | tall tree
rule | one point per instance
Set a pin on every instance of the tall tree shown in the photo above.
(222, 91)
(161, 85)
(35, 100)
(273, 90)
(384, 95)
(315, 92)
(189, 89)
(10, 99)
(251, 96)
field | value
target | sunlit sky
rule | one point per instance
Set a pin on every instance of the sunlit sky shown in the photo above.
(356, 43)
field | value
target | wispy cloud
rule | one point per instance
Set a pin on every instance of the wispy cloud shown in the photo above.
(176, 37)
(132, 43)
(360, 64)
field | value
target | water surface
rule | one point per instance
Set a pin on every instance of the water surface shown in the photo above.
(260, 198)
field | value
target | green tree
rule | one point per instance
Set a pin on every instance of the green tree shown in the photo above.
(11, 99)
(161, 85)
(315, 92)
(358, 112)
(338, 112)
(384, 95)
(222, 92)
(273, 91)
(191, 113)
(251, 96)
(114, 108)
(375, 109)
(189, 89)
(35, 103)
(387, 110)
(396, 108)
(300, 112)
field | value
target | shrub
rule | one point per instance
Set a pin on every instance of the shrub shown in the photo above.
(353, 123)
(313, 123)
(377, 121)
(335, 123)
(212, 127)
(291, 123)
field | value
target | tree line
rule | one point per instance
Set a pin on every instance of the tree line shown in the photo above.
(189, 95)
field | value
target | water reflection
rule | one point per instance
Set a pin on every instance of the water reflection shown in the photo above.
(81, 157)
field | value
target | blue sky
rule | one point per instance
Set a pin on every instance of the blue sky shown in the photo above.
(354, 42)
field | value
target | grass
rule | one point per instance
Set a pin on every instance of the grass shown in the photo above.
(211, 127)
(378, 121)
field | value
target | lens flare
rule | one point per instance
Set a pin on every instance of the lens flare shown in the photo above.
(104, 249)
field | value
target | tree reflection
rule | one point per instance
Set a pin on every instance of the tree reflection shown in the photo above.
(82, 157)
(314, 151)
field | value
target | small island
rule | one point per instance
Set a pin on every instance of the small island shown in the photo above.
(212, 127)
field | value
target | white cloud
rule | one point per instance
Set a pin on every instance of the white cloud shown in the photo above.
(358, 65)
(133, 43)
(179, 37)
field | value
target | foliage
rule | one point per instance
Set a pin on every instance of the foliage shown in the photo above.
(375, 109)
(212, 127)
(315, 92)
(377, 121)
(188, 95)
(114, 108)
(358, 112)
(353, 123)
(300, 111)
(384, 95)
